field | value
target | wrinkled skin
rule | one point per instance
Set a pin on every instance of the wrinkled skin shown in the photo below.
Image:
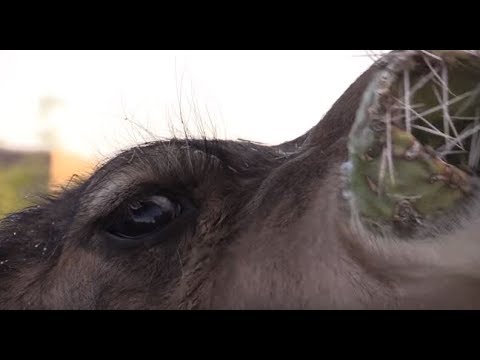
(268, 229)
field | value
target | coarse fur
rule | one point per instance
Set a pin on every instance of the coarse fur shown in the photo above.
(270, 230)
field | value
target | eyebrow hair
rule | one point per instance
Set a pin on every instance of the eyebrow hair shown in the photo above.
(168, 164)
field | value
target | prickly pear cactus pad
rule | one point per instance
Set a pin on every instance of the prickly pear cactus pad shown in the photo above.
(414, 149)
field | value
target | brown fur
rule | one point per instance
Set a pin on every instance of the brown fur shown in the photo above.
(272, 231)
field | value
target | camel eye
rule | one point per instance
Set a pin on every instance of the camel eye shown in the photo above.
(142, 217)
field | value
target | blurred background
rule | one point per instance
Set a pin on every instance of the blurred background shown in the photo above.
(62, 112)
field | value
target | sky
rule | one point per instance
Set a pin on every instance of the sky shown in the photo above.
(96, 103)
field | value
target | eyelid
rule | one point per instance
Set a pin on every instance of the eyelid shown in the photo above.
(121, 179)
(170, 232)
(142, 194)
(105, 194)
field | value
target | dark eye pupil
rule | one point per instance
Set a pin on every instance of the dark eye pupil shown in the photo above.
(144, 216)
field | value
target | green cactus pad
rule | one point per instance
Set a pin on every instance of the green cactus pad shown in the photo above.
(415, 143)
